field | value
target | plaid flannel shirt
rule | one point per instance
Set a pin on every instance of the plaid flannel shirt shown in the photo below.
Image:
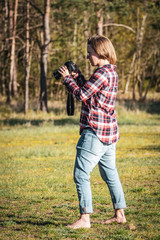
(98, 96)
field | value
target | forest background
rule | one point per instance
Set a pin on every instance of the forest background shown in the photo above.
(37, 149)
(38, 36)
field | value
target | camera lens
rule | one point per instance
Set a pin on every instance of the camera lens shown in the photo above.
(71, 67)
(57, 75)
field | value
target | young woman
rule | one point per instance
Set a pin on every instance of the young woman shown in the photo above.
(98, 129)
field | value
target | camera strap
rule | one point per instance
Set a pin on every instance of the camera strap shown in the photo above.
(70, 104)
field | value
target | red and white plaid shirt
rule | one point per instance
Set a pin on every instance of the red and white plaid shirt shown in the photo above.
(98, 96)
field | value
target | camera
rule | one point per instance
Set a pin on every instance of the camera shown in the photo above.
(71, 67)
(70, 100)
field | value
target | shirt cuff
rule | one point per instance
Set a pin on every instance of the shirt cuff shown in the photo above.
(66, 78)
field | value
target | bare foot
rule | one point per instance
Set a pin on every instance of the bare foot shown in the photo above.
(119, 217)
(79, 224)
(115, 219)
(83, 222)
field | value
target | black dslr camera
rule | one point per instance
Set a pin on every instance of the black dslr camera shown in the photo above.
(71, 67)
(70, 100)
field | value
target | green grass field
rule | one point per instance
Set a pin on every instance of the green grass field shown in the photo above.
(38, 196)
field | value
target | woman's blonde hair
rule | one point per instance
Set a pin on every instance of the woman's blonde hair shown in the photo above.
(103, 47)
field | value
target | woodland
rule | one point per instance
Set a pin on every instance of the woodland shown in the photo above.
(39, 36)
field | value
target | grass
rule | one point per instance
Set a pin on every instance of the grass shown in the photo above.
(38, 196)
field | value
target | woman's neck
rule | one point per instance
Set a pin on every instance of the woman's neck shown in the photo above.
(103, 62)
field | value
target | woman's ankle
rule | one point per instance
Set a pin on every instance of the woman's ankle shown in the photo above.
(85, 217)
(119, 214)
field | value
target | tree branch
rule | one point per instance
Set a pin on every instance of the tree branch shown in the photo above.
(119, 25)
(20, 39)
(38, 26)
(36, 8)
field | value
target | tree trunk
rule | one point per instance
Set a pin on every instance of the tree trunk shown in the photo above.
(4, 47)
(86, 36)
(75, 42)
(129, 74)
(13, 57)
(107, 21)
(10, 35)
(44, 55)
(12, 88)
(138, 65)
(134, 85)
(99, 29)
(27, 62)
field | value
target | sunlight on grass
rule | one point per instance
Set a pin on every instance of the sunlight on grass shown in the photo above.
(38, 195)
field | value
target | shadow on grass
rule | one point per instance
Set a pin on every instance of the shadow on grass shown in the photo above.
(39, 122)
(35, 221)
(150, 106)
(66, 121)
(130, 122)
(151, 148)
(17, 121)
(55, 222)
(154, 107)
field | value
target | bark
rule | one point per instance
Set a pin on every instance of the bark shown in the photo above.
(107, 23)
(27, 62)
(13, 56)
(10, 35)
(75, 42)
(130, 74)
(4, 47)
(138, 64)
(100, 25)
(86, 36)
(44, 55)
(12, 88)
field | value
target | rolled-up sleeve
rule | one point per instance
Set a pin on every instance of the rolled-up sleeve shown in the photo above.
(89, 88)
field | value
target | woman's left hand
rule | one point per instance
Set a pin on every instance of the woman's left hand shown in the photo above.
(64, 71)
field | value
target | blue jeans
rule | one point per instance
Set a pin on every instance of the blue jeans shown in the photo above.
(90, 152)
